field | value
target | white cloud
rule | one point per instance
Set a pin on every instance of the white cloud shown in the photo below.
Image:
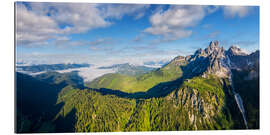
(100, 41)
(39, 23)
(80, 17)
(175, 22)
(44, 21)
(119, 10)
(31, 28)
(77, 16)
(236, 11)
(63, 41)
(213, 34)
(91, 73)
(54, 58)
(212, 9)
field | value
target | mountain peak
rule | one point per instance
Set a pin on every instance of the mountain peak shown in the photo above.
(236, 50)
(213, 47)
(210, 60)
(213, 44)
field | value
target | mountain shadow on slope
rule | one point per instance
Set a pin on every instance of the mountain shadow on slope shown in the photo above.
(62, 79)
(159, 90)
(36, 103)
(66, 123)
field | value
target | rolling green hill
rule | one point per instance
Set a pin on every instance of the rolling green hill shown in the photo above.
(64, 79)
(142, 83)
(198, 104)
(128, 69)
(186, 108)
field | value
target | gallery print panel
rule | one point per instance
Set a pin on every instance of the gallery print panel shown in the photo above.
(101, 67)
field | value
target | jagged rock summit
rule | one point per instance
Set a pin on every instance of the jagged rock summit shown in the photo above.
(211, 60)
(215, 60)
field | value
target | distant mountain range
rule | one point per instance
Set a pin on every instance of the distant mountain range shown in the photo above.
(212, 89)
(156, 64)
(128, 69)
(50, 67)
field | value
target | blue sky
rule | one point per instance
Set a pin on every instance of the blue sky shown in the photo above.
(118, 33)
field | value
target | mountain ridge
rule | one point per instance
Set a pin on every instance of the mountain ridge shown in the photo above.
(195, 92)
(211, 60)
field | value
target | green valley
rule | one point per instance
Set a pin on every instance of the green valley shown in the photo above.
(142, 83)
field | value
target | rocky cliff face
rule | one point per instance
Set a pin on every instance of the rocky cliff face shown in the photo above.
(211, 60)
(218, 61)
(207, 83)
(236, 51)
(203, 103)
(241, 60)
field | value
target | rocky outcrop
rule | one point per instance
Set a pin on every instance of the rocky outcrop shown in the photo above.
(236, 51)
(179, 60)
(214, 60)
(206, 63)
(244, 62)
(202, 106)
